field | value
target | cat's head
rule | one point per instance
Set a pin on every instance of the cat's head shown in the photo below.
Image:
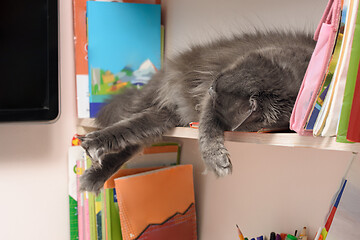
(251, 97)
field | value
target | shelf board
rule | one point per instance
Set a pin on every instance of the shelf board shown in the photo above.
(273, 139)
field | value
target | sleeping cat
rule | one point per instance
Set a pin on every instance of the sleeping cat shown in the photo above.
(244, 83)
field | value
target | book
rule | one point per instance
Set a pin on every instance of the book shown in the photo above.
(160, 154)
(111, 209)
(76, 168)
(87, 232)
(74, 154)
(81, 56)
(143, 1)
(98, 215)
(350, 83)
(81, 197)
(90, 212)
(330, 71)
(103, 215)
(124, 48)
(154, 157)
(328, 118)
(157, 204)
(353, 133)
(325, 35)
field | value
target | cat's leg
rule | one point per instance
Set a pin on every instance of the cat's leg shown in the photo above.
(211, 141)
(94, 178)
(141, 129)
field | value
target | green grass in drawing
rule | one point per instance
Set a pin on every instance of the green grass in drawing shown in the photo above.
(104, 82)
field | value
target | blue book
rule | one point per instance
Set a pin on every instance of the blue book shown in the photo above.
(124, 48)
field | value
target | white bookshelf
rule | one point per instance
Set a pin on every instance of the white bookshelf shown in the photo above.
(272, 139)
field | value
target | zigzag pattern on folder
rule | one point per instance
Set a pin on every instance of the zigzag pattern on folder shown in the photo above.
(176, 227)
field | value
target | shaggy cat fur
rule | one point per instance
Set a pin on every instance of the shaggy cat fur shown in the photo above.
(244, 83)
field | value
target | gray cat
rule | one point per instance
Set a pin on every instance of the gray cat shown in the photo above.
(244, 83)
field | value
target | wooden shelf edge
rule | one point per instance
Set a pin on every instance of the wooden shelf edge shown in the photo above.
(274, 139)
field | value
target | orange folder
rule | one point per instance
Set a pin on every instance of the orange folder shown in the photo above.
(157, 204)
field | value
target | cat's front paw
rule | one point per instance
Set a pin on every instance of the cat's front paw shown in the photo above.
(92, 180)
(218, 161)
(95, 146)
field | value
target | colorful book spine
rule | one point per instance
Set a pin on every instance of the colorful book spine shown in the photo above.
(92, 217)
(86, 208)
(81, 58)
(331, 110)
(91, 228)
(103, 215)
(98, 215)
(81, 200)
(350, 84)
(329, 74)
(113, 230)
(74, 154)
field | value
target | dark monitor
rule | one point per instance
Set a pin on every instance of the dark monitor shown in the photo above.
(29, 81)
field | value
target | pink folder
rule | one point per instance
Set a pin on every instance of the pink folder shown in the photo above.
(325, 35)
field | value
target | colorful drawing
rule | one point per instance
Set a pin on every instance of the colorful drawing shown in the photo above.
(104, 82)
(124, 48)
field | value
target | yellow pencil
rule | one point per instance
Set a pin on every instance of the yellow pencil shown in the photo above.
(241, 236)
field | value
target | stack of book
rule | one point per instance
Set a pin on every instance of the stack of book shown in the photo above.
(335, 108)
(118, 45)
(97, 217)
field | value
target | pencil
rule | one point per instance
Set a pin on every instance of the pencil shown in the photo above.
(241, 236)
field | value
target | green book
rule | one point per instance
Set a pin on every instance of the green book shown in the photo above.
(92, 217)
(113, 229)
(92, 214)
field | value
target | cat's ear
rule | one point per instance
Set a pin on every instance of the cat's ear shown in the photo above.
(253, 103)
(244, 112)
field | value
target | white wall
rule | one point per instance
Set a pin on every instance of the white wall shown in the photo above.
(271, 189)
(189, 21)
(33, 161)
